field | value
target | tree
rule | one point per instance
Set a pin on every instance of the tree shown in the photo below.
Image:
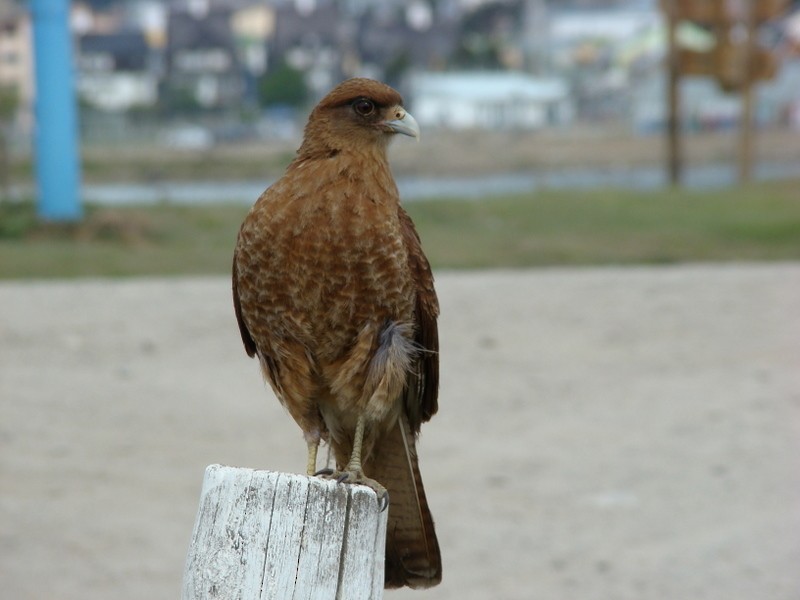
(9, 101)
(179, 99)
(486, 33)
(283, 85)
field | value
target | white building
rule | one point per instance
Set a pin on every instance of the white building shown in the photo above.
(489, 100)
(16, 60)
(114, 72)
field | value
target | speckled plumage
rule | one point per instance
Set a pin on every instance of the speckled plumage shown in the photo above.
(334, 295)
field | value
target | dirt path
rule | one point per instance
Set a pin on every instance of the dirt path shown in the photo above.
(605, 433)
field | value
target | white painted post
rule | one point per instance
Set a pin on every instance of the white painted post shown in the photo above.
(261, 535)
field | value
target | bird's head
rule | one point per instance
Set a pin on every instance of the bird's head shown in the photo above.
(358, 113)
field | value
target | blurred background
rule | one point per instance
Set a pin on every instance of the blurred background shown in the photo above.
(629, 431)
(202, 102)
(199, 74)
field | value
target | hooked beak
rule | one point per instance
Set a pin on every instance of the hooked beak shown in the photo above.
(403, 123)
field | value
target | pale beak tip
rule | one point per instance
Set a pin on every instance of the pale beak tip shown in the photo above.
(405, 124)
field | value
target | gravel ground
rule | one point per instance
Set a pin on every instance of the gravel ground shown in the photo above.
(617, 433)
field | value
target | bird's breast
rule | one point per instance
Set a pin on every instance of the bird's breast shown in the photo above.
(327, 263)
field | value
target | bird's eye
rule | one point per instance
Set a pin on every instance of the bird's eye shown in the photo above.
(364, 107)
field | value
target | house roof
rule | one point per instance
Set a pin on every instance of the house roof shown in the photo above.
(10, 16)
(128, 48)
(490, 85)
(606, 24)
(211, 30)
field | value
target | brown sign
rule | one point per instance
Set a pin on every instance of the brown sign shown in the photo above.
(728, 63)
(724, 11)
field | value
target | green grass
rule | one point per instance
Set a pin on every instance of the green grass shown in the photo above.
(614, 227)
(760, 222)
(157, 240)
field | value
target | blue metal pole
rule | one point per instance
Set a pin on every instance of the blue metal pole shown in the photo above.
(56, 140)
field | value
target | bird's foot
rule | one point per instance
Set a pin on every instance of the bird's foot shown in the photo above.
(358, 478)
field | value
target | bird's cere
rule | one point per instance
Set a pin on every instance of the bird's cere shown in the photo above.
(404, 123)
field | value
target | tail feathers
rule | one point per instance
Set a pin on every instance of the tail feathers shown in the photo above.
(412, 550)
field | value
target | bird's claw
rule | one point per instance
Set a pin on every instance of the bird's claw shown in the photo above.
(383, 501)
(358, 478)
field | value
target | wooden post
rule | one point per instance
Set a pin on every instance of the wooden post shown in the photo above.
(746, 124)
(674, 158)
(263, 535)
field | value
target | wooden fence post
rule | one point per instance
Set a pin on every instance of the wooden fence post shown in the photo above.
(264, 535)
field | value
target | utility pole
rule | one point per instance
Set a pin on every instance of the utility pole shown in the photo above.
(56, 139)
(746, 120)
(674, 158)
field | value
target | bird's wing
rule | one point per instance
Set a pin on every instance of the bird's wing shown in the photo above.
(247, 339)
(269, 365)
(423, 390)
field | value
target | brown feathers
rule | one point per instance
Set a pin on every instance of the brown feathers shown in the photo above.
(334, 295)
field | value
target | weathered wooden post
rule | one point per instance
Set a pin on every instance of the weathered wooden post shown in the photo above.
(263, 535)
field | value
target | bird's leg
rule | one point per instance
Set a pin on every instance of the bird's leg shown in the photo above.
(354, 466)
(311, 465)
(353, 473)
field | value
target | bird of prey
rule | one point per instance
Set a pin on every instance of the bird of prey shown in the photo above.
(335, 297)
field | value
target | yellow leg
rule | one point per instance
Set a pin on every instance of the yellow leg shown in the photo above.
(353, 473)
(311, 465)
(354, 466)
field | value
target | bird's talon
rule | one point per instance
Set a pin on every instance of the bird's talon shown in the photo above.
(358, 478)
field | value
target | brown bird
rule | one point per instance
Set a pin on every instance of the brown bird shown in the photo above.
(334, 295)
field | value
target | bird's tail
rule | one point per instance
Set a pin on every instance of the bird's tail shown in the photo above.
(412, 550)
